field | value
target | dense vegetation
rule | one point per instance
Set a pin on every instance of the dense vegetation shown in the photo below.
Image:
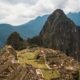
(16, 41)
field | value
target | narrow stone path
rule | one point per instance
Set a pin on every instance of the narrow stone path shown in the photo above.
(46, 63)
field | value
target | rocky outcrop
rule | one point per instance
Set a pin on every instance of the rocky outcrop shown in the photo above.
(60, 33)
(16, 41)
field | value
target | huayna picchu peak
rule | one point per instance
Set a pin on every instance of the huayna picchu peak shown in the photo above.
(58, 12)
(60, 32)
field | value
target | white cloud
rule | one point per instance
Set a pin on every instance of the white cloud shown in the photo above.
(73, 6)
(17, 12)
(20, 1)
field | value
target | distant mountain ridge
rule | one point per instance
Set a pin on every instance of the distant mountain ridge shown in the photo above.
(5, 31)
(31, 28)
(75, 17)
(27, 30)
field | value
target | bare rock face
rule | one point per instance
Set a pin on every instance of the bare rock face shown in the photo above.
(78, 27)
(59, 32)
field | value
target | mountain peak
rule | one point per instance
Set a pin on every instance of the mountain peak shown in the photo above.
(59, 32)
(58, 12)
(57, 15)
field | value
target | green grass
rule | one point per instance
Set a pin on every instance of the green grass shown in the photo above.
(49, 74)
(30, 58)
(28, 55)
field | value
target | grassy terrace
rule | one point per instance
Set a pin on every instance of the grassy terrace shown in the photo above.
(29, 57)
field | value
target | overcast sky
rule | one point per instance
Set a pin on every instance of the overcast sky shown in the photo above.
(17, 12)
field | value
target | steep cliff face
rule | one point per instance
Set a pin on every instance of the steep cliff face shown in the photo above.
(59, 32)
(78, 27)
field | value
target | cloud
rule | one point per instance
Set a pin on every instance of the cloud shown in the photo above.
(20, 1)
(17, 12)
(73, 6)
